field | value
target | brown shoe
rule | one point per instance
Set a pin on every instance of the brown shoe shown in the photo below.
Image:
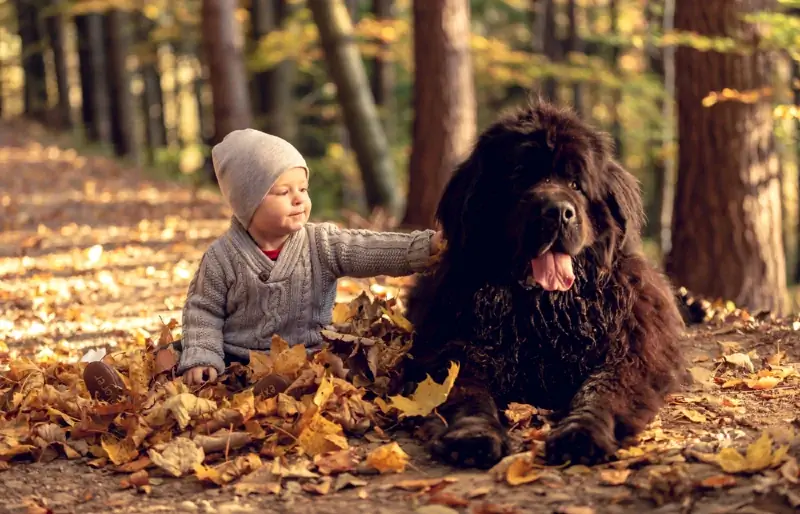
(270, 386)
(103, 382)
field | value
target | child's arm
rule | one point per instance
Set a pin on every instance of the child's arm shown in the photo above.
(364, 253)
(203, 316)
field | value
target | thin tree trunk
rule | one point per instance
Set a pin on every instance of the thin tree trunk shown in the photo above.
(727, 239)
(796, 100)
(222, 45)
(153, 95)
(616, 94)
(383, 76)
(444, 103)
(573, 44)
(358, 107)
(95, 104)
(56, 34)
(33, 66)
(273, 95)
(550, 45)
(123, 121)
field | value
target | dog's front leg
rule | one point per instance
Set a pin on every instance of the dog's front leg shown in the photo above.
(466, 429)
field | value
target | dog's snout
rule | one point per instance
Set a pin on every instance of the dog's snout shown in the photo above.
(562, 211)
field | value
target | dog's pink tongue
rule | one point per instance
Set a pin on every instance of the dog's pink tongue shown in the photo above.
(553, 271)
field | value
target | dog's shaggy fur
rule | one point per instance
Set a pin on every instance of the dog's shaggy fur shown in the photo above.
(602, 354)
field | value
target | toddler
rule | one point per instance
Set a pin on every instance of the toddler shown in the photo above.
(271, 272)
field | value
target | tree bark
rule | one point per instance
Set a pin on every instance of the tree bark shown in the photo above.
(56, 34)
(153, 94)
(222, 45)
(616, 94)
(727, 217)
(573, 44)
(358, 107)
(273, 94)
(95, 108)
(34, 70)
(444, 103)
(123, 121)
(383, 76)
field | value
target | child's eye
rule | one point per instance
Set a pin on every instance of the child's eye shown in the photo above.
(304, 190)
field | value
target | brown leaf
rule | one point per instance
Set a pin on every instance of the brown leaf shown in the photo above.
(228, 471)
(448, 499)
(790, 470)
(692, 415)
(336, 462)
(422, 484)
(519, 412)
(222, 441)
(718, 481)
(322, 488)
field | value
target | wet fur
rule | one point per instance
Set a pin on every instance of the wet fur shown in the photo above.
(603, 354)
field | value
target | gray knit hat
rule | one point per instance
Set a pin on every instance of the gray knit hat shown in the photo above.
(247, 163)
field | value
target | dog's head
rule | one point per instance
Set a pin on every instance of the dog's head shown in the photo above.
(538, 191)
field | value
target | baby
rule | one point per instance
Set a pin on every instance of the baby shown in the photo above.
(271, 272)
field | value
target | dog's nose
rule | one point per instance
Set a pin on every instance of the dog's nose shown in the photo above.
(562, 211)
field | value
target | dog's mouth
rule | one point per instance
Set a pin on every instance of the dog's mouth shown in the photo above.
(552, 271)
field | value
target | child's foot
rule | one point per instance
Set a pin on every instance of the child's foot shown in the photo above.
(103, 382)
(270, 386)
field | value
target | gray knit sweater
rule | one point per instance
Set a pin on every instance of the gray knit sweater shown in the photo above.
(239, 298)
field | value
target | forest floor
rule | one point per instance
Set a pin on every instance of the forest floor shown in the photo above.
(94, 254)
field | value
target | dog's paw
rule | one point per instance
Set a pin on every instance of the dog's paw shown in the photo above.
(580, 439)
(471, 441)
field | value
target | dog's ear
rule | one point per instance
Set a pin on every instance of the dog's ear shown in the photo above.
(452, 209)
(624, 200)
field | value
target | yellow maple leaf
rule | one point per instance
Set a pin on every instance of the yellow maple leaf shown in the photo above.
(389, 457)
(178, 457)
(119, 451)
(315, 438)
(758, 456)
(260, 365)
(290, 361)
(398, 320)
(427, 396)
(342, 313)
(186, 406)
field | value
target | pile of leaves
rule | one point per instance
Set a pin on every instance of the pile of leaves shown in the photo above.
(221, 432)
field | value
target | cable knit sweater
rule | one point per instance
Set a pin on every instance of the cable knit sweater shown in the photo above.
(239, 298)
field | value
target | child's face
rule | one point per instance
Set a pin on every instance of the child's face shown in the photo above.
(286, 207)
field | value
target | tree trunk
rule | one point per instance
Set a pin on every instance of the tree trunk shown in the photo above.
(796, 99)
(153, 95)
(573, 44)
(273, 98)
(95, 107)
(30, 33)
(358, 107)
(123, 121)
(383, 71)
(444, 103)
(550, 44)
(616, 94)
(222, 45)
(727, 217)
(56, 34)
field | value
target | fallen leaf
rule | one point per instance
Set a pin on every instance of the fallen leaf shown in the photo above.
(692, 415)
(336, 462)
(758, 456)
(448, 499)
(427, 396)
(522, 471)
(422, 484)
(178, 457)
(387, 458)
(614, 476)
(322, 488)
(718, 481)
(790, 470)
(702, 376)
(228, 471)
(741, 360)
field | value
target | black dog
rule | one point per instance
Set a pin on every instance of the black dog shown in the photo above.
(543, 295)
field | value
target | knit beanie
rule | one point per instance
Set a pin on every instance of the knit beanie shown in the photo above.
(247, 163)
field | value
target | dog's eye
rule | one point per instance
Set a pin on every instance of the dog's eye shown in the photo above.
(574, 185)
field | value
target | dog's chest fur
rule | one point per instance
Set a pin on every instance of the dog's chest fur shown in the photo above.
(534, 346)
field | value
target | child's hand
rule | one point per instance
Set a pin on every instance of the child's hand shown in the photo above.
(437, 242)
(194, 376)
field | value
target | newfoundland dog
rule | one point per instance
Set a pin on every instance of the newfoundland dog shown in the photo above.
(543, 295)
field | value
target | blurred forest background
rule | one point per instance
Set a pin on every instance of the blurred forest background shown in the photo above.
(385, 96)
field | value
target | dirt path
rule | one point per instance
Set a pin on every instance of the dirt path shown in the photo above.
(94, 255)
